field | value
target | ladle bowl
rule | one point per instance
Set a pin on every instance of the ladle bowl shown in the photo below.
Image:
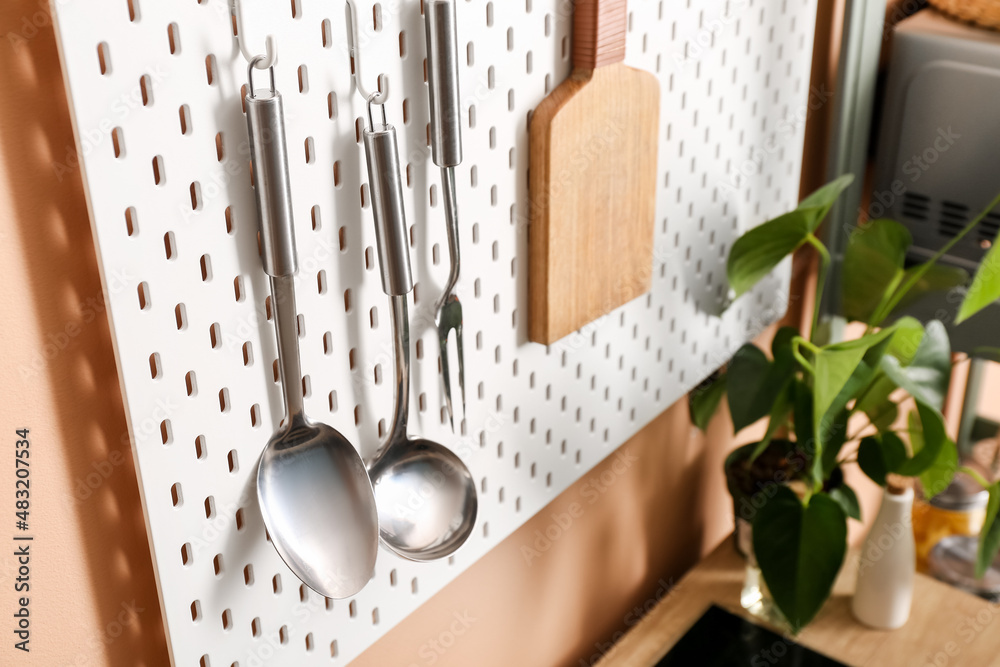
(426, 499)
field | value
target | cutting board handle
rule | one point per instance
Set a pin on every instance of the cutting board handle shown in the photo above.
(599, 32)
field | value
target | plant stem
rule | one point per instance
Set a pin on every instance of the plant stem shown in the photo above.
(824, 269)
(974, 474)
(887, 308)
(799, 340)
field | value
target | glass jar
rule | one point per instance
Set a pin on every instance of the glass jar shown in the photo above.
(958, 510)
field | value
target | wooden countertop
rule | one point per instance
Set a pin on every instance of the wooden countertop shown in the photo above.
(947, 627)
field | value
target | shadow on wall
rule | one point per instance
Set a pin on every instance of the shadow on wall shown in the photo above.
(99, 491)
(583, 571)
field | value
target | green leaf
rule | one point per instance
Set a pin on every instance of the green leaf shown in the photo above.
(756, 253)
(878, 456)
(937, 278)
(985, 288)
(989, 536)
(705, 398)
(800, 550)
(873, 266)
(938, 476)
(833, 433)
(933, 438)
(835, 365)
(926, 376)
(802, 417)
(780, 412)
(844, 496)
(822, 199)
(746, 376)
(906, 340)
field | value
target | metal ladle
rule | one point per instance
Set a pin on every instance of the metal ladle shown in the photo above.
(314, 492)
(426, 496)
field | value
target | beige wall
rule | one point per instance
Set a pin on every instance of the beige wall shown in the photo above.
(90, 559)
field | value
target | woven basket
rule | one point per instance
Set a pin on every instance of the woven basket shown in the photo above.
(985, 13)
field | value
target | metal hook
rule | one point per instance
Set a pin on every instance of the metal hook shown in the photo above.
(262, 62)
(254, 63)
(371, 120)
(381, 94)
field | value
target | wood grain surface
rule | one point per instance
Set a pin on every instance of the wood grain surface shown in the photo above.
(593, 197)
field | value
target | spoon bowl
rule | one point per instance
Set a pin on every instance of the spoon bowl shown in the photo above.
(308, 471)
(426, 499)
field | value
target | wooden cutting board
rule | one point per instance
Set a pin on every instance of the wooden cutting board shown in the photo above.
(592, 180)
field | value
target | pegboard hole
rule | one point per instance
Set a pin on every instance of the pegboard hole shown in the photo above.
(191, 383)
(195, 609)
(205, 661)
(352, 609)
(255, 416)
(248, 575)
(331, 105)
(131, 221)
(118, 142)
(176, 495)
(227, 620)
(195, 192)
(133, 10)
(303, 79)
(334, 651)
(234, 461)
(247, 354)
(309, 642)
(174, 38)
(276, 584)
(215, 335)
(210, 67)
(184, 114)
(241, 521)
(377, 17)
(230, 221)
(200, 448)
(310, 149)
(317, 218)
(224, 404)
(296, 9)
(104, 58)
(166, 434)
(169, 243)
(217, 565)
(155, 370)
(159, 171)
(327, 29)
(255, 627)
(206, 268)
(336, 174)
(187, 554)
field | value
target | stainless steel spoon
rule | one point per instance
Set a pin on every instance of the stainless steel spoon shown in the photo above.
(426, 496)
(314, 492)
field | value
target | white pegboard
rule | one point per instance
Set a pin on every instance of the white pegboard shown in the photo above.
(155, 94)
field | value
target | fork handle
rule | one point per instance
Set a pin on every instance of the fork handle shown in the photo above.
(442, 81)
(451, 222)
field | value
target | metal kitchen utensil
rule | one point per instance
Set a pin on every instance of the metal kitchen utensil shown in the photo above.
(314, 491)
(446, 151)
(426, 496)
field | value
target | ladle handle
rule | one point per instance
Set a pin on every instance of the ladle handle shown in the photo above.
(394, 260)
(386, 189)
(273, 192)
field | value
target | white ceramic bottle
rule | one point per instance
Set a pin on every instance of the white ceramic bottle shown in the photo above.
(888, 562)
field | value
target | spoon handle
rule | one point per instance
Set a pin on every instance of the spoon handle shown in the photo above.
(273, 192)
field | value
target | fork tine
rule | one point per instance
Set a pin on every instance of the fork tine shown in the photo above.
(446, 375)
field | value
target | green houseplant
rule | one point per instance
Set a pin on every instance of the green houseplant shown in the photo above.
(830, 405)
